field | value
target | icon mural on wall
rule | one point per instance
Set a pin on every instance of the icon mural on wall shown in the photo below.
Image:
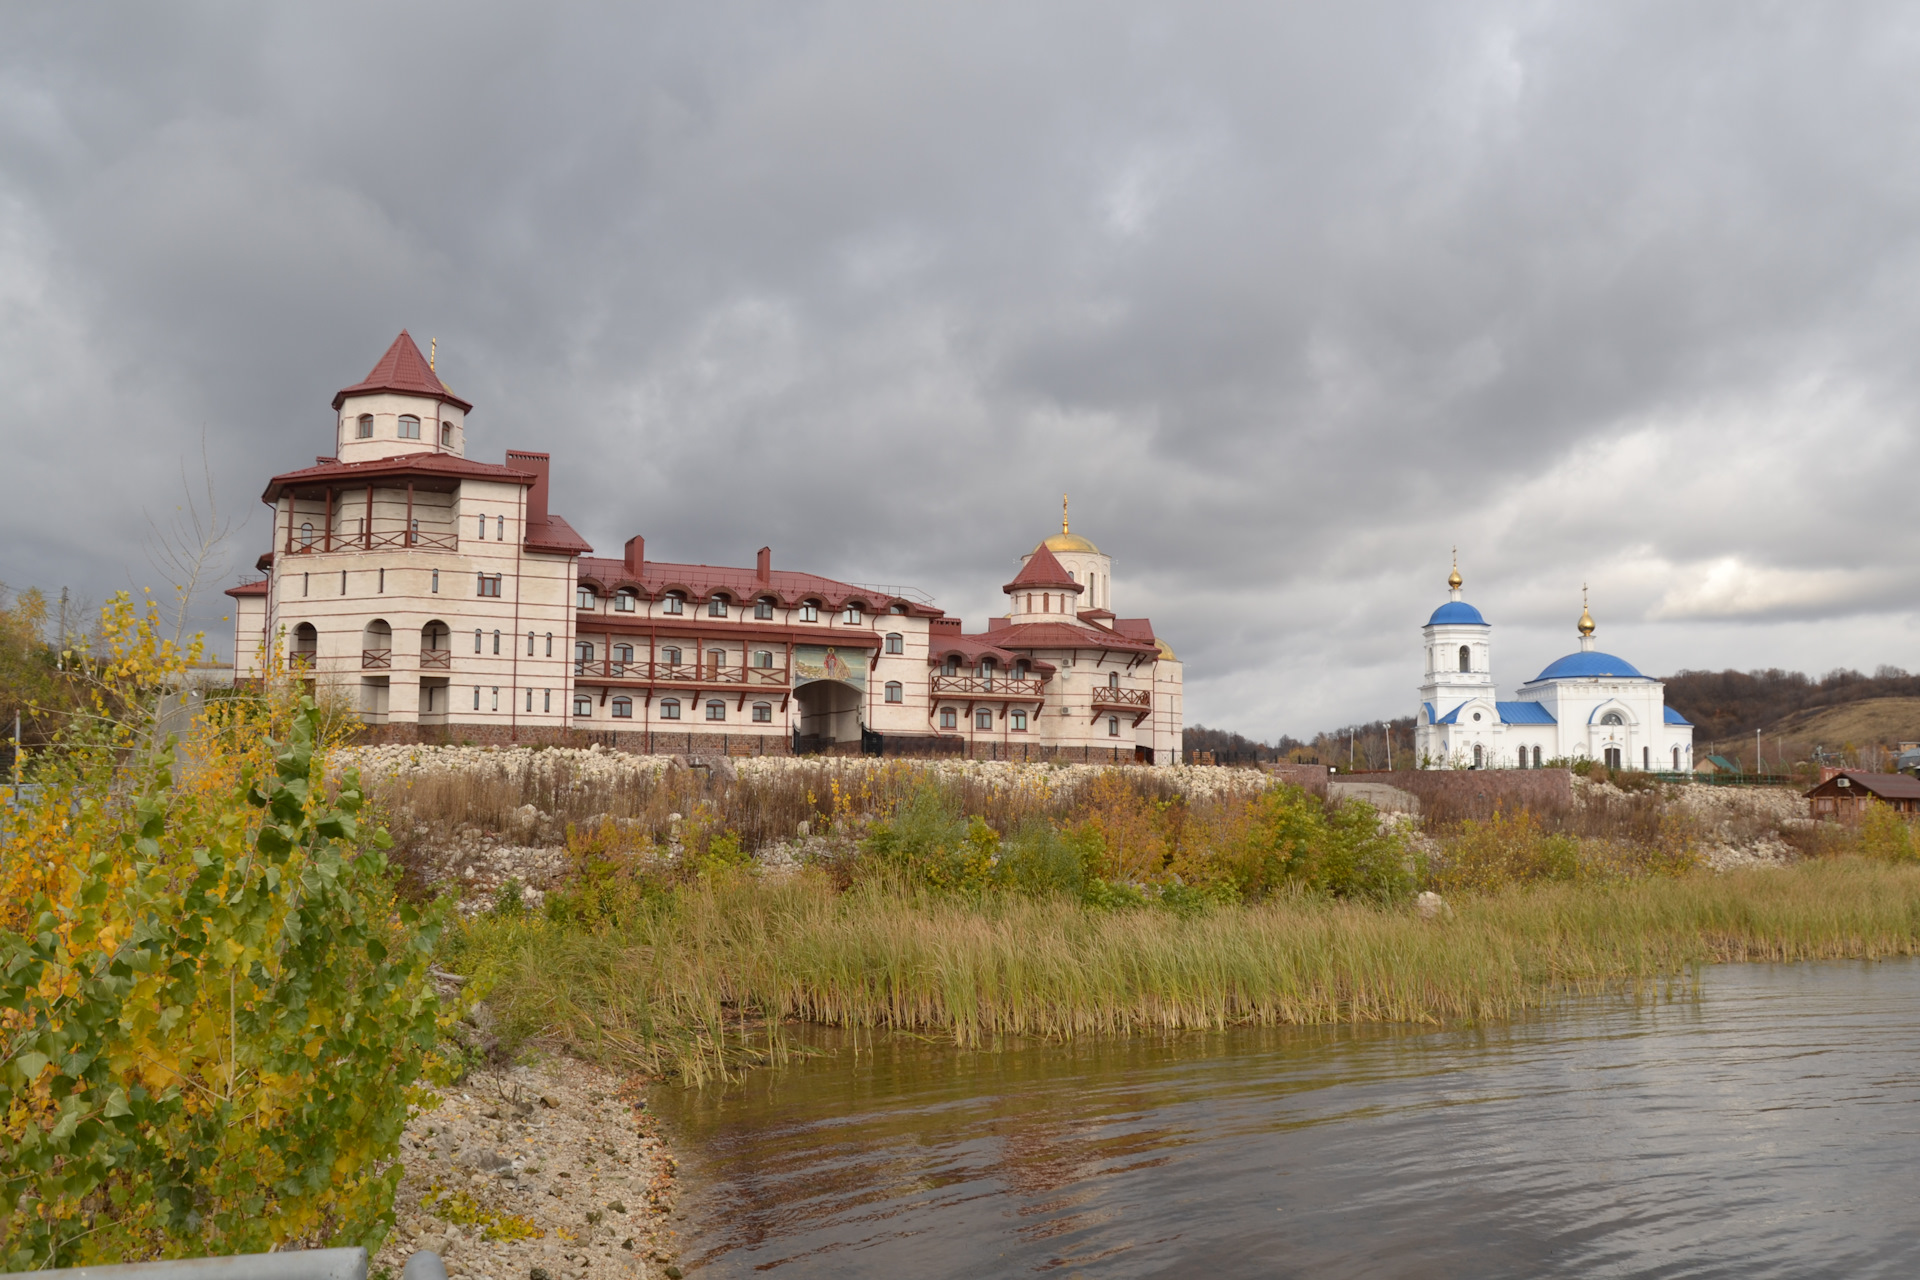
(822, 662)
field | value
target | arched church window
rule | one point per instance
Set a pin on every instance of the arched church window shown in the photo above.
(1479, 756)
(363, 430)
(409, 427)
(1612, 717)
(1466, 658)
(1536, 757)
(1676, 759)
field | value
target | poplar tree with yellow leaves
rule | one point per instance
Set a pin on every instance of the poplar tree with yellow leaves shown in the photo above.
(212, 1007)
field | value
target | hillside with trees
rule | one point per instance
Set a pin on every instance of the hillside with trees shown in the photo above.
(1729, 704)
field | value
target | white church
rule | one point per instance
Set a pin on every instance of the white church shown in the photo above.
(1587, 705)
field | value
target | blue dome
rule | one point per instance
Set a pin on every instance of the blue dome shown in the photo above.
(1456, 611)
(1589, 664)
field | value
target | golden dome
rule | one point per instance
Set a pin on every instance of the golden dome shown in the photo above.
(1166, 650)
(1066, 539)
(1454, 579)
(1069, 542)
(1586, 619)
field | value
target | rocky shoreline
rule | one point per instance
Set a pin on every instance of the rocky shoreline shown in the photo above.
(550, 1171)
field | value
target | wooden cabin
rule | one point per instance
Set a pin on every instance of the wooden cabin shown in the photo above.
(1845, 796)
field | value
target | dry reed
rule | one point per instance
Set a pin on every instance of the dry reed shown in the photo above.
(702, 980)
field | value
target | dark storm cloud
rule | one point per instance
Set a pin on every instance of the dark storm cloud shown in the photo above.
(1291, 299)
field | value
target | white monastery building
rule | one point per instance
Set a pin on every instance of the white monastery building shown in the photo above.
(1587, 705)
(451, 603)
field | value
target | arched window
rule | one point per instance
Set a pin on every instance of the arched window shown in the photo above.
(583, 651)
(446, 435)
(409, 427)
(716, 709)
(1612, 717)
(1019, 719)
(763, 658)
(582, 705)
(952, 668)
(583, 598)
(896, 643)
(306, 641)
(763, 713)
(623, 602)
(1536, 757)
(623, 708)
(763, 608)
(670, 655)
(623, 653)
(306, 534)
(1646, 758)
(949, 718)
(1113, 679)
(1676, 759)
(481, 527)
(669, 708)
(717, 607)
(476, 639)
(809, 611)
(983, 719)
(1466, 658)
(852, 616)
(894, 692)
(499, 529)
(496, 643)
(674, 603)
(363, 430)
(716, 659)
(1113, 726)
(1479, 756)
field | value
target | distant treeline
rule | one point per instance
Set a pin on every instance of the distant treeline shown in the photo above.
(1374, 745)
(1726, 704)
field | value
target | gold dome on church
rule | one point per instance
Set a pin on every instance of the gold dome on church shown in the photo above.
(1069, 542)
(1166, 650)
(1066, 539)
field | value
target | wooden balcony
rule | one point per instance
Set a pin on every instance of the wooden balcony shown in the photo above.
(682, 674)
(1131, 699)
(376, 659)
(377, 542)
(986, 687)
(436, 659)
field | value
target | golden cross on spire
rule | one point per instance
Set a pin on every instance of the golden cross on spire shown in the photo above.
(1454, 579)
(433, 354)
(1586, 619)
(1063, 514)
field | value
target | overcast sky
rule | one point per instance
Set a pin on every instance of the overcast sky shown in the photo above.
(1290, 298)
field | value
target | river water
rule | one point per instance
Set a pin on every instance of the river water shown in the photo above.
(1765, 1122)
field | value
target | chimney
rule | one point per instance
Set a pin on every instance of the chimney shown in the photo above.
(763, 569)
(520, 460)
(636, 556)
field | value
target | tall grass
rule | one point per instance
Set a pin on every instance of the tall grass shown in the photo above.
(701, 980)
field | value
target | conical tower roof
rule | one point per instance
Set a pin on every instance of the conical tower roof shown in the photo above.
(1042, 570)
(405, 370)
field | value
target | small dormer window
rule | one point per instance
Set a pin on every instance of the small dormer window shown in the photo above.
(674, 603)
(810, 611)
(852, 615)
(763, 609)
(409, 427)
(363, 430)
(952, 668)
(623, 602)
(583, 598)
(717, 607)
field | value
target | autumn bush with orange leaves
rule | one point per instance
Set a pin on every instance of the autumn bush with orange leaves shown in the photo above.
(212, 1008)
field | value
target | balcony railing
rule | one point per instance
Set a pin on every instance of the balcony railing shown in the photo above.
(436, 659)
(379, 542)
(986, 687)
(1108, 696)
(376, 659)
(681, 673)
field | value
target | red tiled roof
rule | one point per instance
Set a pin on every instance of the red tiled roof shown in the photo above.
(405, 464)
(701, 581)
(402, 369)
(1062, 635)
(1042, 570)
(255, 588)
(555, 534)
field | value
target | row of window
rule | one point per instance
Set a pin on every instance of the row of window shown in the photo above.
(409, 429)
(983, 718)
(669, 708)
(360, 529)
(675, 604)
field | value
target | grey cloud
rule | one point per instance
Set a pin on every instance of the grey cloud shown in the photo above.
(1290, 298)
